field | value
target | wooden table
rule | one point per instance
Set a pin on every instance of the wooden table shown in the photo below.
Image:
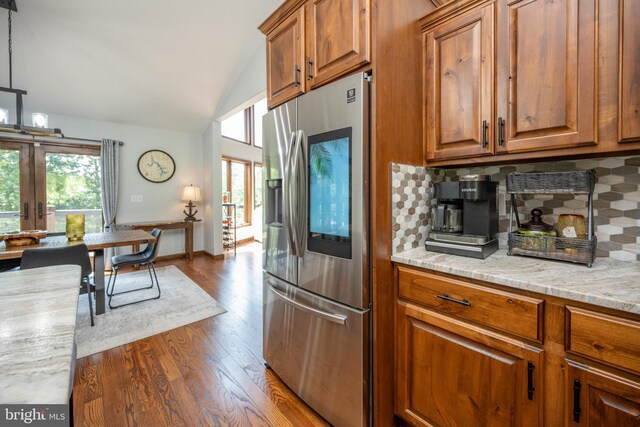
(97, 243)
(38, 317)
(167, 225)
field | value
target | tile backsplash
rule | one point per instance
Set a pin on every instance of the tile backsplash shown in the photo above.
(616, 201)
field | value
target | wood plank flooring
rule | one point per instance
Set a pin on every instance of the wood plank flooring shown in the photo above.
(209, 373)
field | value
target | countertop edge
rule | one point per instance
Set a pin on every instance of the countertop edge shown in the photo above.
(612, 299)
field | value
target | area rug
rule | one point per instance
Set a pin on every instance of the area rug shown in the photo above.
(182, 302)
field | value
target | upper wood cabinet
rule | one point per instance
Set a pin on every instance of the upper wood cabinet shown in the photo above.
(338, 38)
(459, 86)
(546, 74)
(629, 71)
(312, 42)
(544, 71)
(285, 59)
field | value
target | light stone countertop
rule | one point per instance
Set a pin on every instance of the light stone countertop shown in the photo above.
(37, 331)
(609, 283)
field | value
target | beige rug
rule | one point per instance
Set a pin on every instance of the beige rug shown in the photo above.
(182, 302)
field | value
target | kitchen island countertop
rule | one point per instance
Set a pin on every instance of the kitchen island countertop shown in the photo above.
(609, 283)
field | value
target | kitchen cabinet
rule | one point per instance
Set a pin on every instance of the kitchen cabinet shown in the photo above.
(597, 398)
(544, 69)
(463, 351)
(285, 59)
(629, 72)
(459, 86)
(310, 43)
(452, 373)
(338, 38)
(546, 74)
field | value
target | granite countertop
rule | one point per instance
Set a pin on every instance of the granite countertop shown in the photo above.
(37, 331)
(609, 283)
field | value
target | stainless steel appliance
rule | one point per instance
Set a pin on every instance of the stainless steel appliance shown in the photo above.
(465, 219)
(316, 248)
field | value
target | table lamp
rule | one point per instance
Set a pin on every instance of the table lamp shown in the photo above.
(191, 194)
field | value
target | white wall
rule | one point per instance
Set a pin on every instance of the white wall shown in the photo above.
(249, 89)
(250, 86)
(160, 201)
(212, 188)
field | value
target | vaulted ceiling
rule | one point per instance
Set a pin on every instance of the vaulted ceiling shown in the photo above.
(156, 63)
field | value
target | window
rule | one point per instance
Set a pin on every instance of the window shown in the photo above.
(235, 127)
(237, 181)
(259, 110)
(257, 185)
(246, 125)
(40, 185)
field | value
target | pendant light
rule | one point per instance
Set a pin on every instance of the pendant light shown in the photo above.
(19, 126)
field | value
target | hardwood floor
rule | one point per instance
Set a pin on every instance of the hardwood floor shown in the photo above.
(209, 373)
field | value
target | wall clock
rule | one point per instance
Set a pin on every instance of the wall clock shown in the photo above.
(156, 166)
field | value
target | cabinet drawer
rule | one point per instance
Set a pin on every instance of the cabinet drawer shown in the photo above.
(509, 312)
(612, 340)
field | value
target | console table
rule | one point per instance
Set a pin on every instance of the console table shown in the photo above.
(167, 225)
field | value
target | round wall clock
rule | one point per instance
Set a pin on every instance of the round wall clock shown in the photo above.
(156, 166)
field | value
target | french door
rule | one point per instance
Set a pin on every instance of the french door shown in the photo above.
(41, 183)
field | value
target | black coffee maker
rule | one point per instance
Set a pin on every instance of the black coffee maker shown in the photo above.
(465, 219)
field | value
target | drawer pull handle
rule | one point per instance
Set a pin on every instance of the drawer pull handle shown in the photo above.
(531, 388)
(457, 301)
(576, 401)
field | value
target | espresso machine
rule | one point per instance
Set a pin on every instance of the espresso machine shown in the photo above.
(465, 219)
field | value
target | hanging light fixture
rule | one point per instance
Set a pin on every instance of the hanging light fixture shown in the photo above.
(19, 126)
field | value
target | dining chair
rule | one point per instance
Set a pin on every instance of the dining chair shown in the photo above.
(145, 257)
(74, 255)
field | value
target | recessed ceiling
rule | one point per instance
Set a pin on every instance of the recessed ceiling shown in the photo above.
(155, 63)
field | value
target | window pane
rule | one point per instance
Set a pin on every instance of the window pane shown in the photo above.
(259, 110)
(73, 186)
(234, 127)
(225, 184)
(238, 190)
(9, 190)
(257, 186)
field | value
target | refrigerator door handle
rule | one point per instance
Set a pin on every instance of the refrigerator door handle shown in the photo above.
(335, 318)
(300, 202)
(288, 193)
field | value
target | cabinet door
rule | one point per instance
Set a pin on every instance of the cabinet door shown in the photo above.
(285, 59)
(458, 86)
(338, 37)
(596, 398)
(629, 72)
(452, 374)
(546, 74)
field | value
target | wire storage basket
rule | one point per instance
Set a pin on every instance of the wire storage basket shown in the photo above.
(577, 250)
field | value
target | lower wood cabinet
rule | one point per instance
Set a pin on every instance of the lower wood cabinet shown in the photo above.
(460, 361)
(454, 374)
(596, 398)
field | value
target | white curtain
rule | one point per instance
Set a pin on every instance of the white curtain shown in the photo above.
(109, 170)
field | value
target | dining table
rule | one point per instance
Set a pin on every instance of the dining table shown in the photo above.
(96, 243)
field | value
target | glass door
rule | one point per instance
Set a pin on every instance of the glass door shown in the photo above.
(40, 184)
(16, 194)
(69, 183)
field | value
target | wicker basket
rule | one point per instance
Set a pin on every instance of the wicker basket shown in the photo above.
(575, 182)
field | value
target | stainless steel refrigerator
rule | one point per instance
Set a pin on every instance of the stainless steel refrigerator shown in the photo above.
(316, 248)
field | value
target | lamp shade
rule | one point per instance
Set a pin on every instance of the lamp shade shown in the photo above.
(191, 193)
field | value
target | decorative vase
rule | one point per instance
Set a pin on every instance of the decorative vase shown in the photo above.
(75, 227)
